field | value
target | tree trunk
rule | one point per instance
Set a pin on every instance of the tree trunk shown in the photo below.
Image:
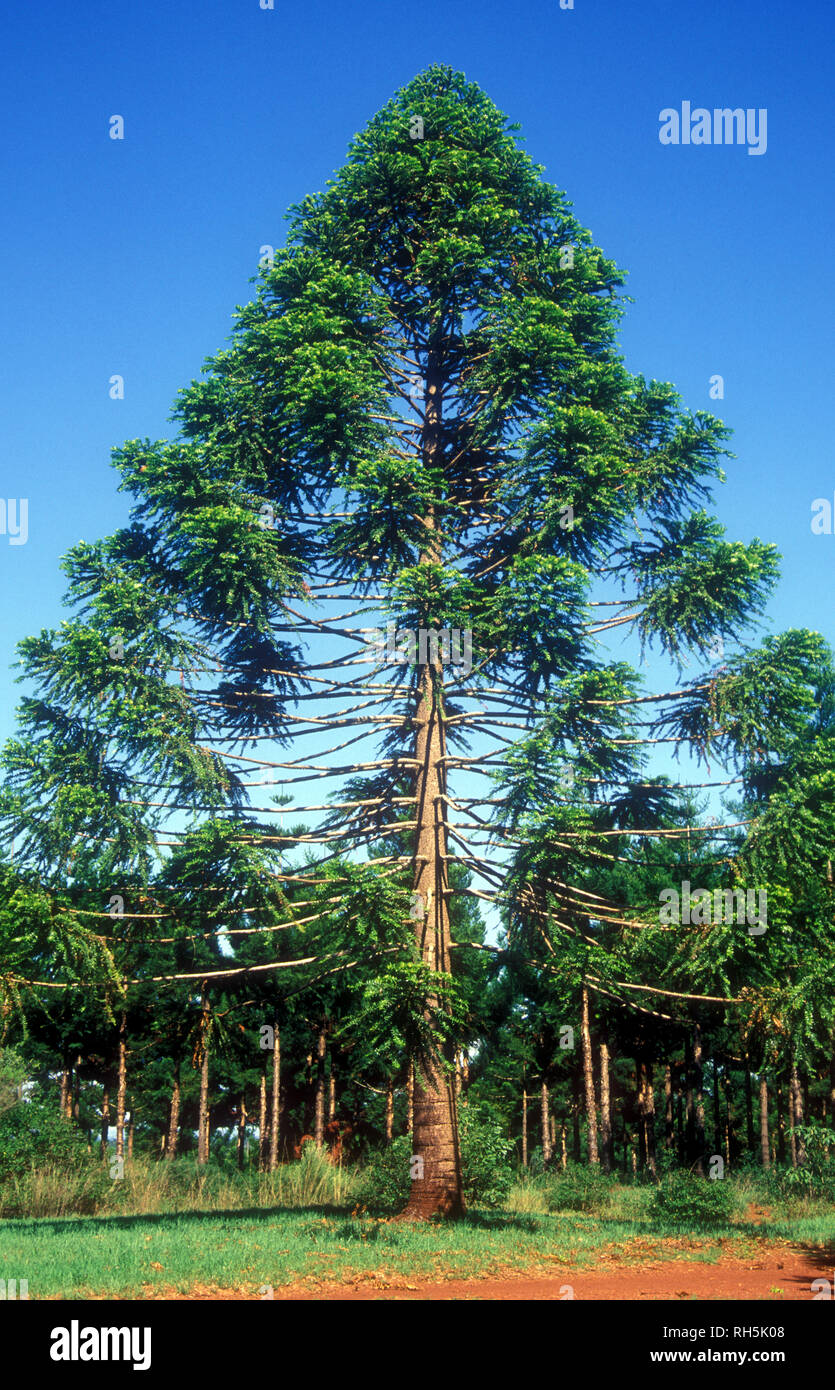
(796, 1106)
(524, 1128)
(545, 1123)
(436, 1187)
(717, 1110)
(262, 1119)
(588, 1077)
(749, 1108)
(122, 1087)
(105, 1119)
(563, 1148)
(276, 1102)
(203, 1111)
(242, 1131)
(76, 1090)
(174, 1116)
(410, 1099)
(699, 1110)
(764, 1150)
(606, 1143)
(319, 1109)
(131, 1129)
(389, 1111)
(781, 1126)
(669, 1127)
(646, 1114)
(331, 1097)
(65, 1088)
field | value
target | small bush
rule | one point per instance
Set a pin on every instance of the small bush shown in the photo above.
(32, 1133)
(683, 1199)
(580, 1189)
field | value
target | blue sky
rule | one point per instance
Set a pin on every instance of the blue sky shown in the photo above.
(130, 256)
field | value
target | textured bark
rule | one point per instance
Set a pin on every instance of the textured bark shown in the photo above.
(749, 1107)
(545, 1122)
(121, 1087)
(588, 1078)
(262, 1119)
(764, 1148)
(717, 1111)
(781, 1125)
(275, 1118)
(436, 1169)
(131, 1130)
(319, 1107)
(410, 1099)
(331, 1097)
(105, 1118)
(76, 1090)
(203, 1111)
(646, 1114)
(174, 1116)
(242, 1130)
(524, 1128)
(65, 1088)
(563, 1148)
(798, 1146)
(699, 1106)
(389, 1111)
(669, 1127)
(606, 1142)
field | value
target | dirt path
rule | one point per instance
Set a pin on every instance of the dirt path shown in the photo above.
(773, 1274)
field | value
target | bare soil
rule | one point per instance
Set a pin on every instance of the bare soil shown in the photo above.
(773, 1274)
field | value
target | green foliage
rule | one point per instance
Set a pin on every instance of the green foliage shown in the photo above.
(33, 1133)
(579, 1189)
(693, 1202)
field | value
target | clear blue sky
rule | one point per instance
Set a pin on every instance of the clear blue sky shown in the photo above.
(129, 256)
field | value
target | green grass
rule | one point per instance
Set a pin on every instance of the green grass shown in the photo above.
(143, 1255)
(173, 1227)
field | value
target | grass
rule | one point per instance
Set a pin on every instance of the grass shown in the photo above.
(170, 1228)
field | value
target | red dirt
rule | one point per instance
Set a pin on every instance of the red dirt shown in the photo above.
(773, 1274)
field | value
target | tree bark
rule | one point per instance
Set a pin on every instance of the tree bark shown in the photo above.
(319, 1109)
(203, 1110)
(749, 1107)
(131, 1130)
(524, 1128)
(122, 1087)
(699, 1108)
(174, 1116)
(545, 1122)
(105, 1119)
(389, 1111)
(796, 1100)
(669, 1127)
(436, 1187)
(781, 1126)
(764, 1147)
(606, 1144)
(275, 1118)
(242, 1131)
(65, 1087)
(76, 1090)
(262, 1119)
(410, 1099)
(588, 1077)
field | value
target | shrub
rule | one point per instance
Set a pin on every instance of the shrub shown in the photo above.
(32, 1133)
(580, 1189)
(683, 1199)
